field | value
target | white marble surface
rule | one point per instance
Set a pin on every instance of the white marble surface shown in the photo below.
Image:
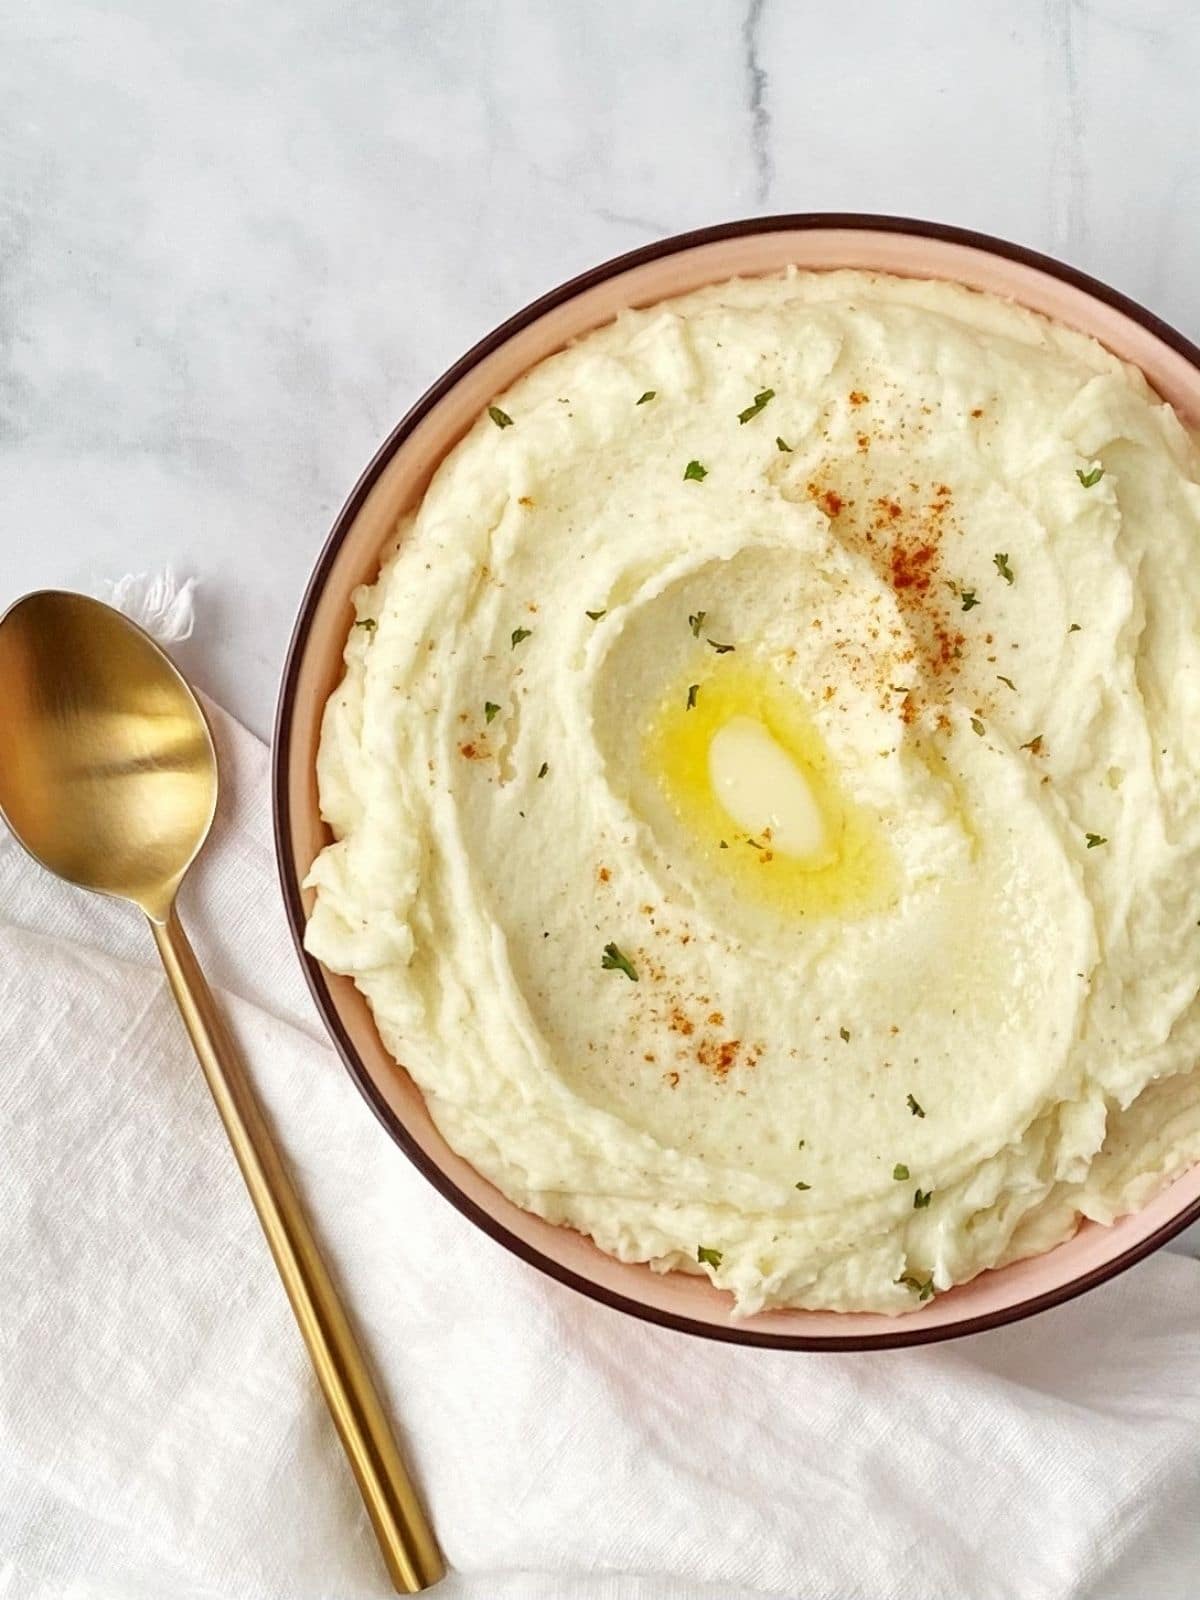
(236, 240)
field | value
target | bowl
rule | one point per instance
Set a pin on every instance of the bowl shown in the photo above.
(395, 481)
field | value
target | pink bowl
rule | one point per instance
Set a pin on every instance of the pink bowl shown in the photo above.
(394, 482)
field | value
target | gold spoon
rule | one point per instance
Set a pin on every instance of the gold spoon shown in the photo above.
(108, 777)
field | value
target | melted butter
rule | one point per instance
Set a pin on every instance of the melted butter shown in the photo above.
(757, 793)
(764, 791)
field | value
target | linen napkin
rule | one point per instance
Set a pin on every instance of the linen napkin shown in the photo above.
(161, 1434)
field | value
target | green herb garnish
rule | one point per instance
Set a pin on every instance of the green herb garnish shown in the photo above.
(693, 691)
(802, 1186)
(912, 1104)
(518, 634)
(543, 769)
(1074, 628)
(1090, 478)
(614, 960)
(977, 726)
(1002, 566)
(649, 395)
(923, 1291)
(500, 418)
(845, 1035)
(760, 400)
(921, 1199)
(490, 708)
(900, 1172)
(781, 445)
(596, 615)
(694, 472)
(711, 1258)
(1007, 681)
(967, 596)
(1093, 839)
(722, 649)
(368, 623)
(696, 622)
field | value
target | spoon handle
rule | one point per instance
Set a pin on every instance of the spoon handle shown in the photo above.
(404, 1535)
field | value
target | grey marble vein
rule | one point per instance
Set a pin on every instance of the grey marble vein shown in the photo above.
(760, 115)
(1064, 26)
(625, 220)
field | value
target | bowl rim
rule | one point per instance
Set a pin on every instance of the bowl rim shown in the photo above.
(731, 1333)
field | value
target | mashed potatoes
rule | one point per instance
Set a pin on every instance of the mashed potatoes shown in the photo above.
(766, 792)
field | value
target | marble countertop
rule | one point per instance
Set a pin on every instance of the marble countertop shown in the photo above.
(236, 242)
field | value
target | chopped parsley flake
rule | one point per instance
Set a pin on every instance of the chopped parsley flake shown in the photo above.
(967, 596)
(1007, 681)
(711, 1258)
(760, 400)
(722, 649)
(694, 472)
(801, 1143)
(368, 623)
(845, 1035)
(693, 691)
(803, 1186)
(923, 1291)
(614, 960)
(500, 418)
(1090, 478)
(725, 846)
(781, 444)
(490, 708)
(1074, 628)
(543, 769)
(900, 1172)
(596, 615)
(1093, 839)
(1002, 566)
(921, 1199)
(913, 1105)
(977, 726)
(648, 395)
(518, 634)
(696, 622)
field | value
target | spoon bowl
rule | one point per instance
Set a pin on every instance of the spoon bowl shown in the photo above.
(108, 775)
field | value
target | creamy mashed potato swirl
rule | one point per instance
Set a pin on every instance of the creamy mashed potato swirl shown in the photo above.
(916, 567)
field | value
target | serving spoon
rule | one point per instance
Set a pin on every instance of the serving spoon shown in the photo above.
(108, 778)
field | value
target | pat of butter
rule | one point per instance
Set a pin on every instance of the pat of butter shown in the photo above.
(763, 789)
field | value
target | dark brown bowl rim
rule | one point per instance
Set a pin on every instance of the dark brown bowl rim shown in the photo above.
(896, 1338)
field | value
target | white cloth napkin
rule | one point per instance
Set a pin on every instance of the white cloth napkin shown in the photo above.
(161, 1434)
